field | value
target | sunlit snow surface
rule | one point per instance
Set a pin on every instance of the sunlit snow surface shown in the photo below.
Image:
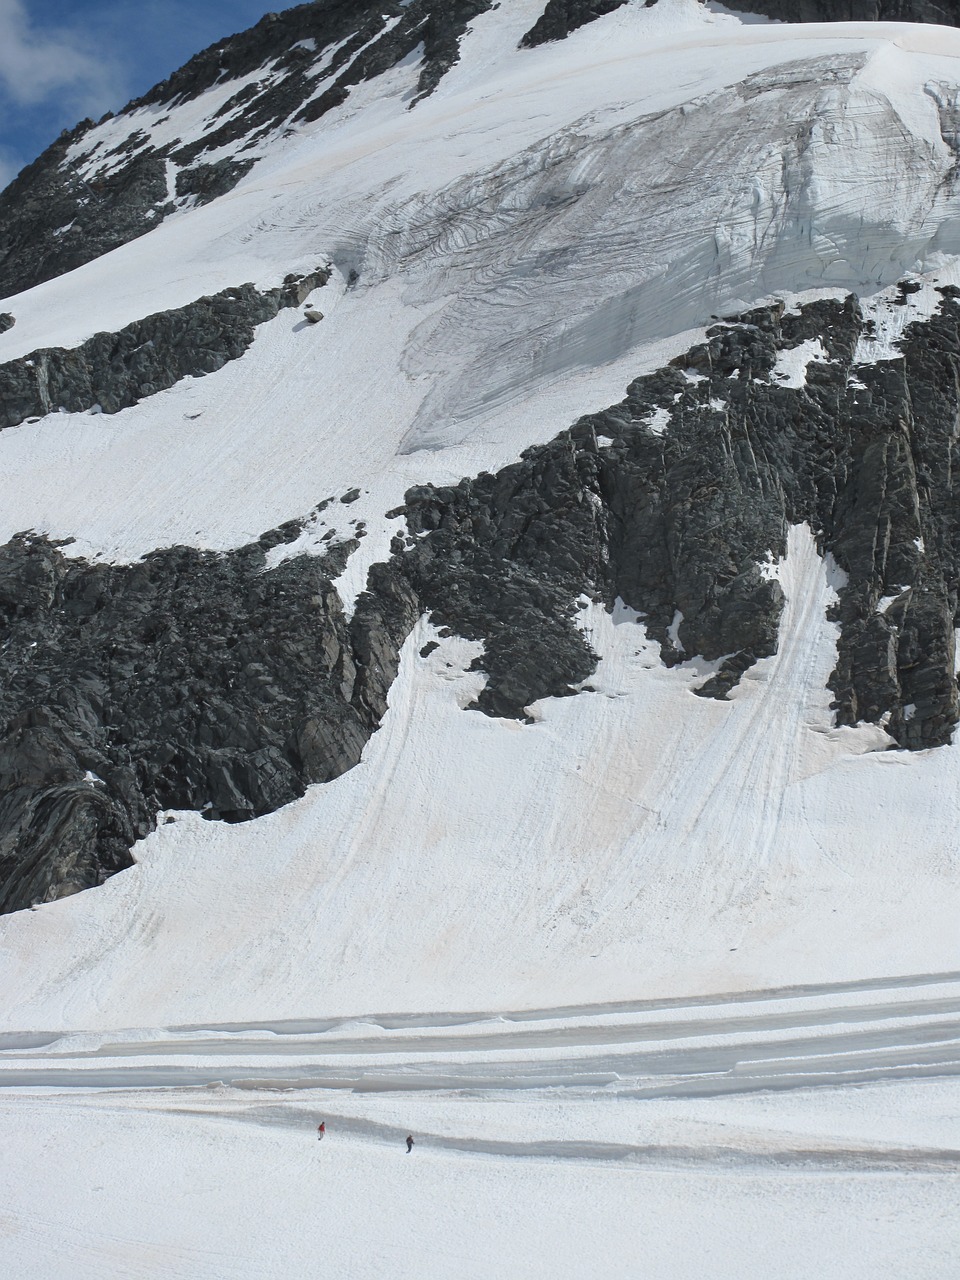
(484, 928)
(521, 238)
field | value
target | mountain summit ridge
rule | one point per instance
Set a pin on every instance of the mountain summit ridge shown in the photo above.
(74, 203)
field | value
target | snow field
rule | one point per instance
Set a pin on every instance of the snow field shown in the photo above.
(182, 1184)
(635, 842)
(473, 934)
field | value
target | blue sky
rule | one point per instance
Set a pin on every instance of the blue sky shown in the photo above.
(62, 60)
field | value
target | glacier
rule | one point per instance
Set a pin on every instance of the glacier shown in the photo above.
(662, 983)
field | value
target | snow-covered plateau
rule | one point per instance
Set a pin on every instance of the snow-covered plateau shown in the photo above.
(517, 710)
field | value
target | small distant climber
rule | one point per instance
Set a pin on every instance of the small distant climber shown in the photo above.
(409, 1143)
(311, 315)
(321, 1130)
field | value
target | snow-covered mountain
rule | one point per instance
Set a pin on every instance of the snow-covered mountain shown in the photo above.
(537, 674)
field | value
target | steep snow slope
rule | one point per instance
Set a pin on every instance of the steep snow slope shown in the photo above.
(634, 841)
(579, 201)
(650, 974)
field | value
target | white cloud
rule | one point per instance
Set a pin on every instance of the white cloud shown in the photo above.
(37, 65)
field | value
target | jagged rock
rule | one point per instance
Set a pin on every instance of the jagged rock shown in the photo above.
(59, 213)
(7, 321)
(678, 521)
(207, 181)
(560, 17)
(946, 13)
(192, 680)
(53, 220)
(188, 680)
(115, 370)
(503, 559)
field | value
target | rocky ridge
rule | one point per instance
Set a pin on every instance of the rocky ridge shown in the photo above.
(560, 17)
(83, 196)
(675, 499)
(203, 681)
(945, 13)
(189, 680)
(97, 187)
(114, 370)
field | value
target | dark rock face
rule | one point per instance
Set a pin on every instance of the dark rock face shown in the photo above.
(52, 219)
(392, 29)
(207, 181)
(504, 559)
(115, 370)
(7, 321)
(560, 17)
(193, 680)
(946, 12)
(678, 519)
(189, 680)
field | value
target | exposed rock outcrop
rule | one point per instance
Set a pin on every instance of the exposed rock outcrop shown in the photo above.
(675, 498)
(560, 17)
(192, 680)
(946, 12)
(115, 370)
(52, 219)
(85, 196)
(207, 181)
(189, 680)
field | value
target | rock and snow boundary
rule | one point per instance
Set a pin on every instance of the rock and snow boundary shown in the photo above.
(458, 335)
(684, 783)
